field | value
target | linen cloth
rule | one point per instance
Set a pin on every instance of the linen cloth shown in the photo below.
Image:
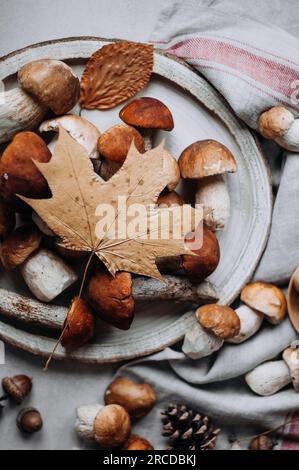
(254, 66)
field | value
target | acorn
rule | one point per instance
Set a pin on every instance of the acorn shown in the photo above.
(17, 387)
(29, 420)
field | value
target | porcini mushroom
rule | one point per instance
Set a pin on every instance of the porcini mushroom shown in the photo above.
(250, 321)
(18, 112)
(268, 378)
(113, 298)
(114, 145)
(293, 299)
(207, 258)
(19, 245)
(171, 168)
(147, 114)
(47, 275)
(79, 325)
(109, 425)
(207, 161)
(279, 124)
(52, 82)
(267, 299)
(18, 173)
(137, 398)
(291, 357)
(219, 319)
(83, 131)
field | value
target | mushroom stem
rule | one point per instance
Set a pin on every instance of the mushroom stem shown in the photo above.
(212, 193)
(269, 378)
(147, 135)
(176, 288)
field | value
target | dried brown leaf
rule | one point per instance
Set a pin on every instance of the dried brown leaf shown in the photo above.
(77, 192)
(114, 73)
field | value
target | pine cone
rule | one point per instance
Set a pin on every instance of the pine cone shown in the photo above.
(187, 429)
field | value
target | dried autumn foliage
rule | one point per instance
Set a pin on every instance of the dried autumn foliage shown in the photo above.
(114, 73)
(77, 192)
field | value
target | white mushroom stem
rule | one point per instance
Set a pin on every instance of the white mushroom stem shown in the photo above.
(291, 357)
(212, 193)
(47, 275)
(86, 415)
(200, 343)
(18, 112)
(269, 378)
(279, 124)
(250, 320)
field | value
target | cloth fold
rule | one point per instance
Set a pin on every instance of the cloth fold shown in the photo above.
(254, 66)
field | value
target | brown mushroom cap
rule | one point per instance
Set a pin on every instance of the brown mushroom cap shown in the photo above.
(265, 298)
(206, 158)
(80, 324)
(137, 443)
(19, 245)
(148, 113)
(170, 198)
(111, 426)
(115, 142)
(220, 319)
(18, 173)
(137, 399)
(52, 83)
(197, 268)
(7, 219)
(111, 298)
(275, 122)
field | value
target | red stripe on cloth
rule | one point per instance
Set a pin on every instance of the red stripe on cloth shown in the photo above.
(274, 75)
(291, 438)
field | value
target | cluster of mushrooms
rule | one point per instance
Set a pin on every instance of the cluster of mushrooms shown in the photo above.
(47, 269)
(110, 425)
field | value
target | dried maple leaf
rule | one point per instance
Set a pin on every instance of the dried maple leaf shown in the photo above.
(114, 73)
(78, 192)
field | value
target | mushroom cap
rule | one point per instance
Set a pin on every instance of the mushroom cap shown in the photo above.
(7, 219)
(170, 198)
(137, 443)
(275, 122)
(111, 426)
(171, 168)
(220, 319)
(199, 342)
(291, 357)
(265, 298)
(137, 399)
(197, 268)
(80, 324)
(18, 173)
(19, 245)
(83, 131)
(52, 83)
(111, 298)
(206, 158)
(148, 113)
(115, 142)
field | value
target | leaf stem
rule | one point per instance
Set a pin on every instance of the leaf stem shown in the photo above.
(66, 321)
